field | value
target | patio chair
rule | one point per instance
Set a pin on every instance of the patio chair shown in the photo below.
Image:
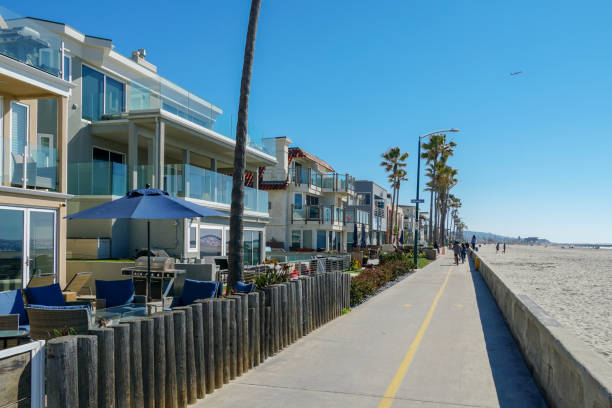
(116, 293)
(50, 321)
(78, 282)
(195, 290)
(50, 295)
(9, 322)
(41, 280)
(244, 287)
(11, 303)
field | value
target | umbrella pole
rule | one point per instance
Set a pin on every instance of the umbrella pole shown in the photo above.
(148, 258)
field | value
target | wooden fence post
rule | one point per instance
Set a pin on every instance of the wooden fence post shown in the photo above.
(122, 366)
(147, 346)
(136, 380)
(269, 331)
(262, 326)
(299, 296)
(198, 348)
(218, 339)
(106, 366)
(180, 355)
(159, 372)
(283, 311)
(87, 371)
(290, 304)
(190, 362)
(62, 372)
(239, 338)
(254, 329)
(209, 343)
(171, 388)
(233, 337)
(245, 331)
(225, 325)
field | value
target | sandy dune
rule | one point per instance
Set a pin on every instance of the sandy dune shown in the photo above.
(572, 285)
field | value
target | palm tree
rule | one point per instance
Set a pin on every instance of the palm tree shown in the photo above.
(393, 160)
(436, 151)
(399, 177)
(236, 249)
(447, 181)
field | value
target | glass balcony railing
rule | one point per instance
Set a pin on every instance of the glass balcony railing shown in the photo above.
(104, 178)
(25, 41)
(34, 168)
(159, 93)
(338, 182)
(97, 178)
(323, 214)
(183, 180)
(354, 215)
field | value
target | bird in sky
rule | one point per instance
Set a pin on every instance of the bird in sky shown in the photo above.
(516, 73)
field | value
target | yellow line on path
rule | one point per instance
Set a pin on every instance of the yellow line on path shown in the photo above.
(387, 399)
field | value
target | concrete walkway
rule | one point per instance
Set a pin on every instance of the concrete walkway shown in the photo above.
(436, 339)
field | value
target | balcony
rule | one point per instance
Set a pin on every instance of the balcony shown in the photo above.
(341, 183)
(354, 215)
(156, 93)
(321, 214)
(25, 41)
(180, 180)
(307, 178)
(33, 168)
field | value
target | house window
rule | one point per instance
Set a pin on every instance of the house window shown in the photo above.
(211, 241)
(109, 172)
(193, 237)
(296, 237)
(101, 95)
(67, 74)
(297, 201)
(252, 245)
(363, 199)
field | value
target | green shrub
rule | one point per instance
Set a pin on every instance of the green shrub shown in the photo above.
(370, 279)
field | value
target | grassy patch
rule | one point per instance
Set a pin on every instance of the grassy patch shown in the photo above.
(422, 262)
(345, 311)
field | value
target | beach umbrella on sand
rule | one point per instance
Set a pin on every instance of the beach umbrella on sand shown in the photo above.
(355, 236)
(147, 204)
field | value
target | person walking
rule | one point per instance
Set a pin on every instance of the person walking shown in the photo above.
(436, 247)
(474, 241)
(504, 248)
(457, 251)
(463, 252)
(497, 248)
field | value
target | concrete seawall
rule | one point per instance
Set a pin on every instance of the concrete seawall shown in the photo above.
(569, 373)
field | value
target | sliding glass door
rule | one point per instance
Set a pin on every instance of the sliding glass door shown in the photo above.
(27, 245)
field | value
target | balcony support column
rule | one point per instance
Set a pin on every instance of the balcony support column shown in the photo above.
(213, 164)
(159, 153)
(132, 157)
(186, 183)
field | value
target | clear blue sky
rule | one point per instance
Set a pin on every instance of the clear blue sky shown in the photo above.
(348, 79)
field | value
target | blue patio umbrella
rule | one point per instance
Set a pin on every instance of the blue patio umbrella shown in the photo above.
(363, 236)
(355, 236)
(147, 204)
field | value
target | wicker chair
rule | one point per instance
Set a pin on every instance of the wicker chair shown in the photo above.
(41, 280)
(9, 322)
(78, 281)
(67, 320)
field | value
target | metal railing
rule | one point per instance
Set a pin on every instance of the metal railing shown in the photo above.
(322, 214)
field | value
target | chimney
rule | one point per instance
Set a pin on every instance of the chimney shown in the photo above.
(139, 55)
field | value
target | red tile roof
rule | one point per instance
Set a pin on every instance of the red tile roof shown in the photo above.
(295, 152)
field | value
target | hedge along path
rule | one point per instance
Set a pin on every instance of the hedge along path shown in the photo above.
(172, 359)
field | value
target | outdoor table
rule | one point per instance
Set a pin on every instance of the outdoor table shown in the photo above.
(117, 314)
(13, 334)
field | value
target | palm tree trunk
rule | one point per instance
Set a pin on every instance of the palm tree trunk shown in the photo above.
(236, 249)
(400, 224)
(430, 215)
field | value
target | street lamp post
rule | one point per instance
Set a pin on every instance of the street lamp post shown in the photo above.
(416, 227)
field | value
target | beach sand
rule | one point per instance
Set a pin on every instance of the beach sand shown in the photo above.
(572, 285)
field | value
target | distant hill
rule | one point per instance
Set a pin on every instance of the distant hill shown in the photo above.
(489, 236)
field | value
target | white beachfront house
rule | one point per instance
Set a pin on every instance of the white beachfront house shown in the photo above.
(129, 127)
(33, 156)
(309, 202)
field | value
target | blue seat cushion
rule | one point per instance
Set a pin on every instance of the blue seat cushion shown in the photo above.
(194, 290)
(244, 288)
(50, 295)
(115, 292)
(11, 302)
